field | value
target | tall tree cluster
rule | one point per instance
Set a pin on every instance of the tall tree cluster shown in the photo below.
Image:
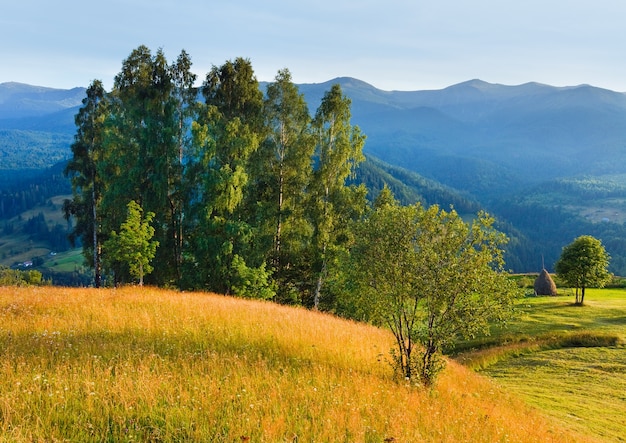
(248, 192)
(234, 190)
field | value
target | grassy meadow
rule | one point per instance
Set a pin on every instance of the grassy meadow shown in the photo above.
(567, 360)
(141, 364)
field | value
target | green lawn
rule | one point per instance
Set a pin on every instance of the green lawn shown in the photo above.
(550, 318)
(569, 361)
(585, 388)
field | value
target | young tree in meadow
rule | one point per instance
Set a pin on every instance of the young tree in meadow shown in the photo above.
(338, 151)
(281, 171)
(87, 183)
(584, 264)
(428, 276)
(133, 246)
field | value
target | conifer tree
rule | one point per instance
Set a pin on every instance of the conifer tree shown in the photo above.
(87, 182)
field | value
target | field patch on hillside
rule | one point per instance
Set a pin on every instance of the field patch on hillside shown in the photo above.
(569, 361)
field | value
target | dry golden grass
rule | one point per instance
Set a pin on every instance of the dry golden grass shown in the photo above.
(152, 365)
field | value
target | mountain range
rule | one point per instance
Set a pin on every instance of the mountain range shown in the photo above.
(505, 148)
(489, 138)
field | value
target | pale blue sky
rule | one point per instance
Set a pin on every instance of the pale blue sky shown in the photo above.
(392, 44)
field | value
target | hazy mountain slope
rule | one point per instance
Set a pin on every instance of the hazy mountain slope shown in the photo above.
(36, 125)
(19, 100)
(409, 187)
(481, 137)
(528, 133)
(493, 142)
(61, 122)
(21, 150)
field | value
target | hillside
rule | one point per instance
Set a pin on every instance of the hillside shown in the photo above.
(154, 365)
(552, 347)
(472, 145)
(18, 100)
(36, 125)
(490, 139)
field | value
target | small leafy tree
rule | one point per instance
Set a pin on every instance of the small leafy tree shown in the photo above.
(430, 277)
(134, 245)
(15, 277)
(584, 264)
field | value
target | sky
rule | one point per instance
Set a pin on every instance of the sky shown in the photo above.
(392, 44)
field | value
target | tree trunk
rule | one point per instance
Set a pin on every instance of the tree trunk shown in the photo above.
(580, 295)
(318, 287)
(96, 247)
(279, 221)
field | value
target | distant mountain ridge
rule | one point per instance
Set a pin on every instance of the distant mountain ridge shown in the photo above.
(19, 100)
(487, 139)
(474, 144)
(526, 133)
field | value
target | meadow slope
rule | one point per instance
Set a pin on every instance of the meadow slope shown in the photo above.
(152, 365)
(567, 360)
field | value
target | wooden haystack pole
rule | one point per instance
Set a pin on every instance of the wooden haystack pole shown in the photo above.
(544, 285)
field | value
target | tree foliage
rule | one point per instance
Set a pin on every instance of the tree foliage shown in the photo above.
(226, 132)
(16, 277)
(584, 264)
(133, 246)
(428, 276)
(338, 151)
(281, 173)
(87, 182)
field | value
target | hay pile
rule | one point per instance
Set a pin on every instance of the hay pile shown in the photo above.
(544, 285)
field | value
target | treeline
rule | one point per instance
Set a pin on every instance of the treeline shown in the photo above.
(16, 277)
(27, 149)
(587, 188)
(409, 187)
(37, 229)
(249, 192)
(22, 193)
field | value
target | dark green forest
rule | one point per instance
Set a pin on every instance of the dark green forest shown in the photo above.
(22, 192)
(544, 219)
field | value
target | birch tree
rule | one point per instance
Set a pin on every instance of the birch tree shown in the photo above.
(339, 149)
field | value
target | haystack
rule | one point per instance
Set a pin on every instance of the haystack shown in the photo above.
(544, 285)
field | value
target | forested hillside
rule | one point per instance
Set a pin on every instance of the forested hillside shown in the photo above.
(528, 154)
(36, 126)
